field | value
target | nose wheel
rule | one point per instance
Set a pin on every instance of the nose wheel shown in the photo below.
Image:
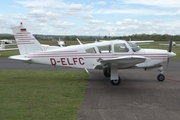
(161, 77)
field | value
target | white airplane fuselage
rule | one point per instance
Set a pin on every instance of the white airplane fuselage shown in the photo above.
(106, 55)
(71, 57)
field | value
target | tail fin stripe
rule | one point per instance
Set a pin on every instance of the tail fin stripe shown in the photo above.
(26, 42)
(23, 33)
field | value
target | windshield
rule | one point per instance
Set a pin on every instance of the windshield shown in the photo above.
(134, 47)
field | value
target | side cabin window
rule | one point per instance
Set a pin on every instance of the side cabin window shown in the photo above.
(90, 50)
(120, 47)
(105, 49)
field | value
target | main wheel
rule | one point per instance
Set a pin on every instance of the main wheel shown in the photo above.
(107, 72)
(116, 82)
(161, 77)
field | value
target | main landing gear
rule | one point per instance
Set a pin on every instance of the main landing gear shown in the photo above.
(113, 74)
(115, 79)
(107, 72)
(116, 82)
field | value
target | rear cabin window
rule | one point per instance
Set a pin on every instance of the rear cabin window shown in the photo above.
(90, 50)
(105, 49)
(120, 47)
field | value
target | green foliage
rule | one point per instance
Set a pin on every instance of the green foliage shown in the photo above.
(156, 37)
(6, 36)
(41, 95)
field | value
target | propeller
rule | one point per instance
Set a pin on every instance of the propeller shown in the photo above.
(170, 45)
(169, 50)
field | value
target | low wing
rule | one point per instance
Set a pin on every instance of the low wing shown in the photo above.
(141, 42)
(168, 44)
(144, 41)
(163, 44)
(124, 62)
(20, 57)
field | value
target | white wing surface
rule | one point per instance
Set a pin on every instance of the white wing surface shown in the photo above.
(125, 61)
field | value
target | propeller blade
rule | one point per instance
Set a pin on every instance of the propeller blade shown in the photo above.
(170, 45)
(170, 49)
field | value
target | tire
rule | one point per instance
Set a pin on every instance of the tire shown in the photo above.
(116, 82)
(107, 72)
(161, 77)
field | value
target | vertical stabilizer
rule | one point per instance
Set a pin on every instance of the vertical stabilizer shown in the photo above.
(25, 41)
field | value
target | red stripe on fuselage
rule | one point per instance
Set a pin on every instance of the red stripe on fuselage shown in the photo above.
(152, 56)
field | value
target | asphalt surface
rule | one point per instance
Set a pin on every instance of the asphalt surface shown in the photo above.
(139, 96)
(8, 64)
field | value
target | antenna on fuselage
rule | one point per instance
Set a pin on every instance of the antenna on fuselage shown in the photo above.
(79, 41)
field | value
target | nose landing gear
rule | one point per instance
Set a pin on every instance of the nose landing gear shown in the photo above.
(161, 77)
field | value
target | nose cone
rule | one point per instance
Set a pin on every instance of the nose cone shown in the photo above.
(171, 54)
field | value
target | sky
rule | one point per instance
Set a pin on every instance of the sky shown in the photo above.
(92, 17)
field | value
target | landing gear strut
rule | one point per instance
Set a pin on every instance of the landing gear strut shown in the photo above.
(114, 78)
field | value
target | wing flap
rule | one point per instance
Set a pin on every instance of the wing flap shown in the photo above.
(19, 57)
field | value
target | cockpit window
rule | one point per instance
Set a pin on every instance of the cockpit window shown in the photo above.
(120, 47)
(134, 47)
(105, 49)
(90, 50)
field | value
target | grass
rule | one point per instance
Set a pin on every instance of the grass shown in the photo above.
(40, 94)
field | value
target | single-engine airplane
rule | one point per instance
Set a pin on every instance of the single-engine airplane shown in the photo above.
(61, 43)
(6, 41)
(174, 44)
(2, 47)
(108, 56)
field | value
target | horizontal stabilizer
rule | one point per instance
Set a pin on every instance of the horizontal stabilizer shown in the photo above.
(19, 57)
(163, 44)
